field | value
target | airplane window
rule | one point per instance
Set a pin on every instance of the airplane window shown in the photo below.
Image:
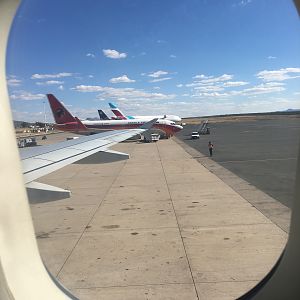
(166, 135)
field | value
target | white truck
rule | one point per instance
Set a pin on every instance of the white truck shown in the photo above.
(153, 137)
(195, 135)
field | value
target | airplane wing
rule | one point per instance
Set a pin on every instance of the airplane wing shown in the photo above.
(40, 161)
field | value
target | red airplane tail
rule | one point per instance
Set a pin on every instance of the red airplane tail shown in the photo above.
(60, 113)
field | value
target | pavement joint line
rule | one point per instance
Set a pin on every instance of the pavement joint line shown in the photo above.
(75, 174)
(136, 203)
(202, 228)
(139, 185)
(179, 229)
(134, 285)
(130, 229)
(213, 168)
(57, 234)
(35, 205)
(84, 230)
(229, 281)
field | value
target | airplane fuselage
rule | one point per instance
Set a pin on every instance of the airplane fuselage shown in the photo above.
(170, 128)
(164, 117)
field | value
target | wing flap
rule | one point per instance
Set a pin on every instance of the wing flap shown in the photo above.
(39, 192)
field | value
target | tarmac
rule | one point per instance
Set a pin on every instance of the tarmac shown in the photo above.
(263, 152)
(157, 226)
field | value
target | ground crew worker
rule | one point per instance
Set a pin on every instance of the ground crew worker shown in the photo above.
(210, 148)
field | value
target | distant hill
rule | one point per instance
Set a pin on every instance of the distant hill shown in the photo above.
(285, 112)
(291, 110)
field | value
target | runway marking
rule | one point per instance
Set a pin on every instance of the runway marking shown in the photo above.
(256, 160)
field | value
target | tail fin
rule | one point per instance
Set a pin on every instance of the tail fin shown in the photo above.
(117, 112)
(102, 115)
(60, 113)
(112, 106)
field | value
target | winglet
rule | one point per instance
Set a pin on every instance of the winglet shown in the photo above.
(149, 124)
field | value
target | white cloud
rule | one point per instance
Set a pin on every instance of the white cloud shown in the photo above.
(13, 82)
(23, 95)
(193, 84)
(201, 76)
(158, 74)
(30, 116)
(89, 88)
(179, 85)
(209, 88)
(119, 93)
(234, 83)
(244, 2)
(208, 80)
(221, 78)
(114, 54)
(48, 76)
(120, 79)
(156, 88)
(265, 88)
(50, 82)
(271, 57)
(209, 106)
(279, 75)
(173, 56)
(90, 55)
(61, 87)
(210, 95)
(160, 79)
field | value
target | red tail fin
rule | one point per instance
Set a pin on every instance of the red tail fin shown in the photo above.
(60, 113)
(118, 113)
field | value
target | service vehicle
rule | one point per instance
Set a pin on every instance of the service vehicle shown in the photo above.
(195, 135)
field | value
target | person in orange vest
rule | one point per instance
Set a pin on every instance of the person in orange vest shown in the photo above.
(210, 148)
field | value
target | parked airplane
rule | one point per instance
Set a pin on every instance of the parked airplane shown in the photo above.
(66, 122)
(118, 113)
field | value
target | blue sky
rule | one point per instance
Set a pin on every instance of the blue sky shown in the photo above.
(188, 58)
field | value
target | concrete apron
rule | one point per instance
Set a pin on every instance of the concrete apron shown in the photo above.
(158, 226)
